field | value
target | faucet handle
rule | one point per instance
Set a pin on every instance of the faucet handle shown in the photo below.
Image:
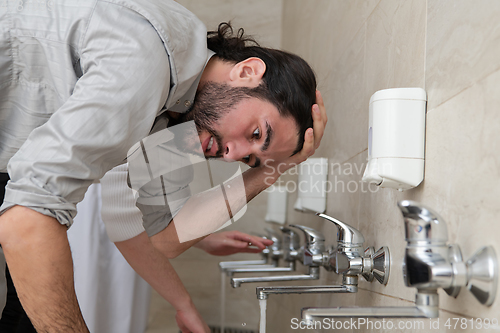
(315, 243)
(273, 235)
(291, 239)
(346, 234)
(313, 236)
(258, 234)
(422, 223)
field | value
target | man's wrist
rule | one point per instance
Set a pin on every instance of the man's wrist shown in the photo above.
(184, 304)
(201, 244)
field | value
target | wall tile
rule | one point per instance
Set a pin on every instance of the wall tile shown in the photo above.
(321, 30)
(462, 45)
(259, 18)
(462, 174)
(346, 131)
(395, 46)
(330, 35)
(381, 223)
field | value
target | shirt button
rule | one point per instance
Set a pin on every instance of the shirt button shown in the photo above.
(187, 103)
(178, 101)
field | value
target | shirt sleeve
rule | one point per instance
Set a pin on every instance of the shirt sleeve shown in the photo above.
(122, 219)
(125, 82)
(160, 174)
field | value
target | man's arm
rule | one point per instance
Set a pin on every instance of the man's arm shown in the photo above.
(90, 132)
(155, 268)
(37, 251)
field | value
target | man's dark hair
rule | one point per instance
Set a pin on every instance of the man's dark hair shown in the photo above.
(289, 82)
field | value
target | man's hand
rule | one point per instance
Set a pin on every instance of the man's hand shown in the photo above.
(190, 320)
(258, 179)
(230, 242)
(314, 135)
(156, 269)
(312, 140)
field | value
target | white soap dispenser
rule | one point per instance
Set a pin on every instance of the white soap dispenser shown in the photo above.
(396, 138)
(312, 185)
(277, 197)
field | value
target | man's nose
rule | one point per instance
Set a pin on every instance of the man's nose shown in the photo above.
(236, 151)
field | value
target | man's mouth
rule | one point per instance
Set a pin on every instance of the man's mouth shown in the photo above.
(210, 146)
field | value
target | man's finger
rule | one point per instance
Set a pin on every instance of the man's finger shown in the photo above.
(253, 240)
(318, 125)
(259, 242)
(321, 104)
(250, 250)
(236, 243)
(319, 119)
(308, 147)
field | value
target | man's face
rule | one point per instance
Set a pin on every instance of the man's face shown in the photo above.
(250, 130)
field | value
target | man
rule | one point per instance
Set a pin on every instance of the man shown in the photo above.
(82, 82)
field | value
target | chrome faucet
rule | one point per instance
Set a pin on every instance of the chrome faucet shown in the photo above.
(349, 259)
(287, 249)
(314, 246)
(429, 264)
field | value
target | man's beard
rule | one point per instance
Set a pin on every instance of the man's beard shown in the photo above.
(213, 101)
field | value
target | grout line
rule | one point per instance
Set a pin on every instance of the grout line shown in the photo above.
(350, 158)
(476, 82)
(390, 296)
(282, 24)
(355, 155)
(425, 40)
(405, 300)
(452, 97)
(364, 25)
(364, 84)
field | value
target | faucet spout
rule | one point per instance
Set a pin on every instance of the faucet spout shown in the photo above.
(264, 292)
(261, 269)
(226, 264)
(427, 306)
(314, 314)
(313, 275)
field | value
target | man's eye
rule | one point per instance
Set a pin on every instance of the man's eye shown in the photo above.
(246, 159)
(256, 133)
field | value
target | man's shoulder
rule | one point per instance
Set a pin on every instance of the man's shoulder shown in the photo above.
(183, 35)
(176, 26)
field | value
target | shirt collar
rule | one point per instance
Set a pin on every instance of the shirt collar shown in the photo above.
(184, 103)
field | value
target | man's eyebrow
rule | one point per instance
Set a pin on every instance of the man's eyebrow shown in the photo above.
(269, 134)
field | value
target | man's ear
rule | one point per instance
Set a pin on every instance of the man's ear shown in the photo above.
(248, 72)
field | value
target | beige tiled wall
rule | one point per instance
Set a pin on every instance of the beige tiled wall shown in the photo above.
(450, 48)
(259, 18)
